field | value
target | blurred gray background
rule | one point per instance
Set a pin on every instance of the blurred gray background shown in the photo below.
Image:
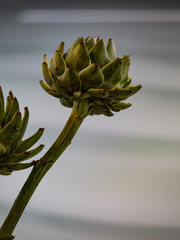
(120, 177)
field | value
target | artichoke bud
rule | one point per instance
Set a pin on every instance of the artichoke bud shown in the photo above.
(78, 57)
(89, 71)
(13, 150)
(57, 64)
(112, 73)
(91, 77)
(111, 49)
(99, 53)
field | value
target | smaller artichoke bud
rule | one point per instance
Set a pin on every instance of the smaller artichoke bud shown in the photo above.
(13, 150)
(92, 74)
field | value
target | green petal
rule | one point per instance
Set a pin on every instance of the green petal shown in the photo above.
(24, 123)
(46, 72)
(112, 73)
(91, 77)
(99, 93)
(134, 89)
(2, 113)
(127, 83)
(49, 90)
(119, 93)
(2, 149)
(77, 57)
(126, 64)
(71, 81)
(117, 106)
(98, 54)
(66, 102)
(59, 86)
(8, 102)
(29, 142)
(1, 96)
(9, 133)
(13, 108)
(57, 64)
(22, 156)
(111, 49)
(90, 43)
(100, 109)
(21, 166)
(5, 171)
(61, 47)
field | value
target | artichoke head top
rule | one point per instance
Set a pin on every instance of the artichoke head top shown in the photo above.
(13, 150)
(89, 70)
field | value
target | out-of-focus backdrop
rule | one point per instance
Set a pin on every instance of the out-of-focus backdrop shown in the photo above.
(120, 177)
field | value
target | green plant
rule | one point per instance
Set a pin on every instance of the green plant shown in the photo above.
(88, 78)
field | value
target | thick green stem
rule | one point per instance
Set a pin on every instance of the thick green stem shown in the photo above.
(79, 112)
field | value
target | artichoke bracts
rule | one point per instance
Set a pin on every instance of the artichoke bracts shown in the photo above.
(12, 128)
(89, 70)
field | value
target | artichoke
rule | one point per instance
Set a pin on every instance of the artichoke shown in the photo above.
(89, 70)
(12, 128)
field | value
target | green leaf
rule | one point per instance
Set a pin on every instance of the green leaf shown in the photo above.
(98, 54)
(91, 77)
(29, 142)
